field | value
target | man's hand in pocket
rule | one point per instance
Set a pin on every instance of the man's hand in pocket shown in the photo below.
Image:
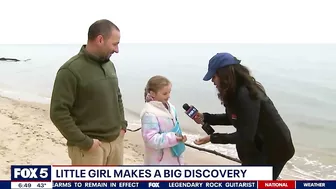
(95, 145)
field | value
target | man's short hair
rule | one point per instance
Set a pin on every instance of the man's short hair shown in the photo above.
(102, 27)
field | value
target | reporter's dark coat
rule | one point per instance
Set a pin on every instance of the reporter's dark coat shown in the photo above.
(262, 137)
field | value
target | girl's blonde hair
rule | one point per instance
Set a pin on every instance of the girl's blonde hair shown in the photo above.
(156, 83)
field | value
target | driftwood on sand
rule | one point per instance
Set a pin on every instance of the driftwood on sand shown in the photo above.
(214, 152)
(202, 149)
(12, 59)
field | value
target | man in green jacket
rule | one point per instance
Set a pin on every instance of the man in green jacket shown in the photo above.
(86, 104)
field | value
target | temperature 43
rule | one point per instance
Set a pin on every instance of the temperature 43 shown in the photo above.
(41, 185)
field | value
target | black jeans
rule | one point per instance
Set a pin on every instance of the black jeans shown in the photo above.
(277, 168)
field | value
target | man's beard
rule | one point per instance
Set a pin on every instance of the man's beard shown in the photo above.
(105, 56)
(109, 55)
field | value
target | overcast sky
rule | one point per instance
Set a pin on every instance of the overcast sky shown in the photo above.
(235, 21)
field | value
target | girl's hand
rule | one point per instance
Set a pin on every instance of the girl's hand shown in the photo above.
(181, 138)
(203, 140)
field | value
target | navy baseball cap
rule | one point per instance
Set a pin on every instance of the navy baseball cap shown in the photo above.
(218, 61)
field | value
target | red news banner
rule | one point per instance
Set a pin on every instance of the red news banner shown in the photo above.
(277, 184)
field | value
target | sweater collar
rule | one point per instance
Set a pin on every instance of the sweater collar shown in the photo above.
(92, 57)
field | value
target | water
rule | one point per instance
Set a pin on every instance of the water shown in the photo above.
(298, 78)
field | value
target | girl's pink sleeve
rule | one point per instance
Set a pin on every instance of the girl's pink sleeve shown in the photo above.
(152, 136)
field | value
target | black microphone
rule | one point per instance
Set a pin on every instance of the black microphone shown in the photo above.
(192, 112)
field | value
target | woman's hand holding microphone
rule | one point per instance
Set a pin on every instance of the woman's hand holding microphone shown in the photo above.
(199, 118)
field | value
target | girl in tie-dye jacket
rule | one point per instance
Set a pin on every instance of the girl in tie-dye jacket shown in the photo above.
(164, 142)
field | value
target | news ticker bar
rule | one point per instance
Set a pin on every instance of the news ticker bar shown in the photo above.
(170, 184)
(139, 173)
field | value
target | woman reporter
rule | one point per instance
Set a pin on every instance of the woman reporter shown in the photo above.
(261, 137)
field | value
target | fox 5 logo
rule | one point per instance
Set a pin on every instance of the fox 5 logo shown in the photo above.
(31, 173)
(154, 185)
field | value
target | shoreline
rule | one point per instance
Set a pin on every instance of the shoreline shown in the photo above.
(29, 137)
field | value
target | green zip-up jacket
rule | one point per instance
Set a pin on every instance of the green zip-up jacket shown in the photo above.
(86, 102)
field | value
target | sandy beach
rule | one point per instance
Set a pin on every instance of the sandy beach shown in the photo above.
(29, 137)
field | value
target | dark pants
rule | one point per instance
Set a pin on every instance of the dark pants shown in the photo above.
(259, 157)
(277, 167)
